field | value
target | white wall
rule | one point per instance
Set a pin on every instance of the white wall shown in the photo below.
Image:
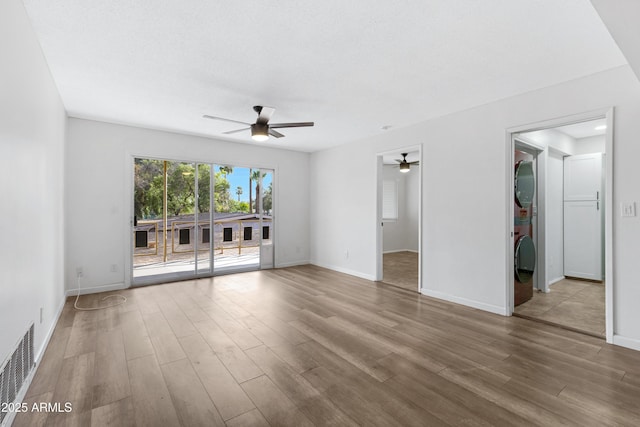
(592, 144)
(554, 216)
(32, 132)
(412, 203)
(99, 200)
(621, 19)
(565, 143)
(557, 144)
(393, 232)
(402, 235)
(465, 193)
(553, 138)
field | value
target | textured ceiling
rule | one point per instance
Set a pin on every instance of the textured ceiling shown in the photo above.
(352, 67)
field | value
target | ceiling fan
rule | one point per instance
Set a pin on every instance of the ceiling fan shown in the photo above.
(261, 129)
(404, 165)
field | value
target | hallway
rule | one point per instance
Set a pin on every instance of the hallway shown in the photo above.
(575, 304)
(401, 269)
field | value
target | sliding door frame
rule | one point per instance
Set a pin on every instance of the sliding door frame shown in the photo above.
(128, 212)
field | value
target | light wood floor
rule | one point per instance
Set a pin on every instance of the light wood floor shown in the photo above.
(576, 304)
(401, 269)
(308, 346)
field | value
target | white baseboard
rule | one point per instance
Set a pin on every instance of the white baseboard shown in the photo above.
(556, 280)
(370, 277)
(37, 359)
(50, 332)
(627, 342)
(399, 250)
(464, 301)
(96, 289)
(291, 264)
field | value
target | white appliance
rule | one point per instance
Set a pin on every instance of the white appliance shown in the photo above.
(583, 216)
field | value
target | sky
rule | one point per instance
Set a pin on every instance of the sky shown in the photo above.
(240, 178)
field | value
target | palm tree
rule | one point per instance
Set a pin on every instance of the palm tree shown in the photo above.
(257, 177)
(239, 192)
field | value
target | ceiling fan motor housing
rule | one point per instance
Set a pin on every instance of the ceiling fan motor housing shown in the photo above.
(260, 131)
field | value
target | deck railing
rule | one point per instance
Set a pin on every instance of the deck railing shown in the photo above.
(148, 236)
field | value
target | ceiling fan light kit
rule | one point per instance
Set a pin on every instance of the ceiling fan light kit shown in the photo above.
(261, 129)
(259, 132)
(404, 165)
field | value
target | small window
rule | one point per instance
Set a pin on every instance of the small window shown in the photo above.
(142, 239)
(227, 234)
(185, 236)
(265, 232)
(206, 235)
(389, 200)
(248, 233)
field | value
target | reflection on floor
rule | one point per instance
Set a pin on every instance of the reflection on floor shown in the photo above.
(401, 269)
(571, 303)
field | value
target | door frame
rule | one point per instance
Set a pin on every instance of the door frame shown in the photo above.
(378, 225)
(510, 134)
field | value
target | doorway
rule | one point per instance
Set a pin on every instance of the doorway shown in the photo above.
(399, 202)
(194, 219)
(572, 288)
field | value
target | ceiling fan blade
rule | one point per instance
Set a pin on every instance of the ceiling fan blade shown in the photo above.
(399, 161)
(235, 131)
(291, 125)
(206, 116)
(414, 163)
(264, 115)
(275, 133)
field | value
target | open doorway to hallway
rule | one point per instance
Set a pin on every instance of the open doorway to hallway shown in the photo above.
(568, 223)
(399, 175)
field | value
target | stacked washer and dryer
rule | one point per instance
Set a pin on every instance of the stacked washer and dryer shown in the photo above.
(524, 251)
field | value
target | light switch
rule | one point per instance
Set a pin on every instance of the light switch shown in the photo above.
(628, 209)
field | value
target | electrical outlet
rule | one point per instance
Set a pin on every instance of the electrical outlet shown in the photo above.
(346, 254)
(113, 268)
(79, 272)
(628, 208)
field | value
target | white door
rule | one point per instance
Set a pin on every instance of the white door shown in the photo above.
(583, 239)
(583, 177)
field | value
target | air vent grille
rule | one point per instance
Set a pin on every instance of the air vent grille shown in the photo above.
(15, 370)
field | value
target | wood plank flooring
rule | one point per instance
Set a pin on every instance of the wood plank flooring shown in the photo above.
(572, 303)
(401, 269)
(309, 346)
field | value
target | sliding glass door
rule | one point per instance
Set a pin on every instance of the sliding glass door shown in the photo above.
(198, 219)
(167, 219)
(239, 232)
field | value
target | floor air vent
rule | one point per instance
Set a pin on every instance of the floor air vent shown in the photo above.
(15, 370)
